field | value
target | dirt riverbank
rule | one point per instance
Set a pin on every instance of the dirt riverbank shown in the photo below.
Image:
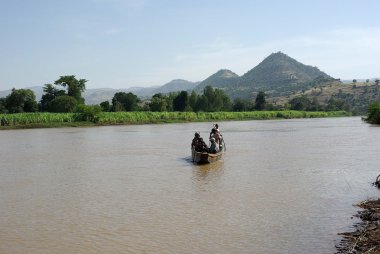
(366, 237)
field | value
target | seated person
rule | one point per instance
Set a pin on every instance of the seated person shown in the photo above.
(214, 148)
(202, 147)
(196, 139)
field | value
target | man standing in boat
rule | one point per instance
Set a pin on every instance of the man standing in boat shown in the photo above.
(215, 133)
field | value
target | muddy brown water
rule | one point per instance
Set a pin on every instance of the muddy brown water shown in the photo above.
(284, 186)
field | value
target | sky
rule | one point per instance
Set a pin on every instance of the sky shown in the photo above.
(143, 43)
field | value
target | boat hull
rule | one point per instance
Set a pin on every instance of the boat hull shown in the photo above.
(204, 158)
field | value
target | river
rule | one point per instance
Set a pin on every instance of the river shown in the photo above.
(283, 186)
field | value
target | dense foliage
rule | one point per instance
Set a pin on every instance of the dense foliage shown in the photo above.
(19, 101)
(124, 102)
(260, 101)
(50, 94)
(88, 113)
(58, 100)
(212, 100)
(63, 104)
(75, 87)
(373, 113)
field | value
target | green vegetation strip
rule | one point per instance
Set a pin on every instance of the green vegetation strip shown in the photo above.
(25, 120)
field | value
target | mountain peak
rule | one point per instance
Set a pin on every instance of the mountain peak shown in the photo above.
(222, 78)
(278, 71)
(279, 58)
(278, 54)
(178, 81)
(224, 73)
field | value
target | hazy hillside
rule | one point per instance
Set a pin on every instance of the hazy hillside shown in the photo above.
(96, 96)
(175, 86)
(36, 89)
(220, 79)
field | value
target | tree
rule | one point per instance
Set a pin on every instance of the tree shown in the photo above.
(158, 103)
(336, 104)
(377, 82)
(63, 104)
(74, 86)
(300, 103)
(222, 102)
(122, 101)
(260, 101)
(50, 93)
(354, 81)
(373, 115)
(181, 101)
(193, 99)
(216, 99)
(2, 106)
(201, 104)
(21, 100)
(88, 112)
(242, 105)
(314, 105)
(169, 101)
(105, 106)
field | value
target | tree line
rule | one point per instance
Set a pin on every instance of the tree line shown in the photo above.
(65, 95)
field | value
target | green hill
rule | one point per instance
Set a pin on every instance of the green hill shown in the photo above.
(279, 74)
(221, 79)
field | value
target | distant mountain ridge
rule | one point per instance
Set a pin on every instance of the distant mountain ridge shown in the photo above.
(278, 74)
(98, 95)
(176, 85)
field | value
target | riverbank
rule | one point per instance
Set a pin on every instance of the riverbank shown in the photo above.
(366, 237)
(54, 120)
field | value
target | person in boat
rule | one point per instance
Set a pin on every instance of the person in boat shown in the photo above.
(216, 127)
(215, 133)
(198, 143)
(214, 147)
(202, 146)
(196, 139)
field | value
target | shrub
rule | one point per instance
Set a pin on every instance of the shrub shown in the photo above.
(62, 104)
(373, 113)
(88, 113)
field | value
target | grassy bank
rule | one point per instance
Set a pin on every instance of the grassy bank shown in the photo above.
(44, 120)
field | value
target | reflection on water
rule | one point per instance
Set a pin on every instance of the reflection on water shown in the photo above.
(205, 171)
(282, 187)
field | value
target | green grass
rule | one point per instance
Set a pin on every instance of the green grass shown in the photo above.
(44, 120)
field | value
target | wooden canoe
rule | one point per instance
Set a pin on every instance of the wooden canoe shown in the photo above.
(203, 158)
